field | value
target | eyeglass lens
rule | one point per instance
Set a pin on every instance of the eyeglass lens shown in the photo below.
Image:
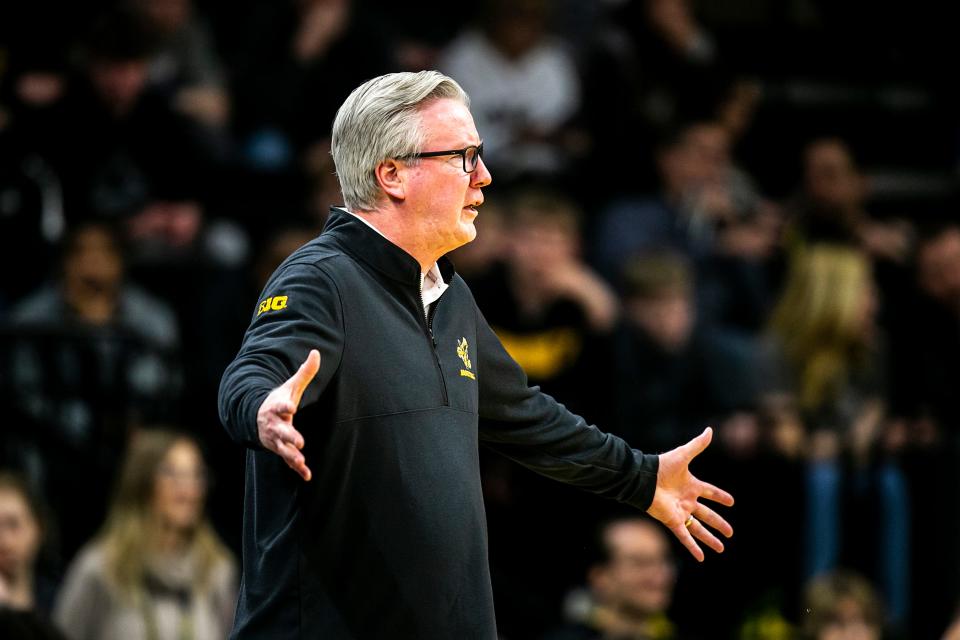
(471, 158)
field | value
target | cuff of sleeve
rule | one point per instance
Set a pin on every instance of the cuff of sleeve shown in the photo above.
(649, 464)
(249, 419)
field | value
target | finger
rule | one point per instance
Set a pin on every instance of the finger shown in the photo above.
(711, 492)
(684, 536)
(304, 375)
(710, 517)
(283, 408)
(290, 455)
(294, 459)
(704, 535)
(284, 431)
(696, 446)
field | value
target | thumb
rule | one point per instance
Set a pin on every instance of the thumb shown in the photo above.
(304, 375)
(696, 446)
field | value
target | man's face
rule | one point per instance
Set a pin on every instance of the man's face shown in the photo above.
(539, 245)
(94, 265)
(701, 158)
(119, 83)
(668, 318)
(831, 176)
(439, 194)
(639, 576)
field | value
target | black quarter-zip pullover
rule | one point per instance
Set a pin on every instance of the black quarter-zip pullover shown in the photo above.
(388, 540)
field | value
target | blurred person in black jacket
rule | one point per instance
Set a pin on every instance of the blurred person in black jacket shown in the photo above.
(83, 356)
(121, 153)
(665, 355)
(926, 343)
(832, 205)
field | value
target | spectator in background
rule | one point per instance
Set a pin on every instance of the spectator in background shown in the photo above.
(707, 210)
(934, 337)
(22, 531)
(664, 356)
(84, 356)
(186, 66)
(523, 86)
(701, 191)
(92, 290)
(552, 307)
(828, 353)
(925, 380)
(842, 606)
(630, 581)
(120, 152)
(650, 66)
(831, 206)
(113, 149)
(26, 595)
(157, 571)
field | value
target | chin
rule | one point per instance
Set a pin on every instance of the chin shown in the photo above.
(468, 233)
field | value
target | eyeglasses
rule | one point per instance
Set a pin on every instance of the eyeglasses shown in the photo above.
(471, 156)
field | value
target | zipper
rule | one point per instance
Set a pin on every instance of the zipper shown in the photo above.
(428, 320)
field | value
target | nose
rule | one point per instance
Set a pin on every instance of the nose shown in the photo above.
(481, 175)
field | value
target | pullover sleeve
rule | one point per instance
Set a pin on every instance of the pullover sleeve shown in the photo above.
(300, 309)
(533, 429)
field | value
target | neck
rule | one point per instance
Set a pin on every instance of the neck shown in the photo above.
(394, 228)
(170, 538)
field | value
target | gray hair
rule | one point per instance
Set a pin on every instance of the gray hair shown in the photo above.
(381, 120)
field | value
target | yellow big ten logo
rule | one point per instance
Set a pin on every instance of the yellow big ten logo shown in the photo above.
(274, 303)
(464, 355)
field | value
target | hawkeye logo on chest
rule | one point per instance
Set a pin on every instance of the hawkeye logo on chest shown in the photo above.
(464, 355)
(274, 303)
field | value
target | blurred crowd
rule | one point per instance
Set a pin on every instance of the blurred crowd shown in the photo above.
(741, 214)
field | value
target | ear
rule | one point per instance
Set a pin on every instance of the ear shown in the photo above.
(390, 176)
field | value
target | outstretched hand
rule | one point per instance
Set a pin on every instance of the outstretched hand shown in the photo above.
(676, 500)
(275, 416)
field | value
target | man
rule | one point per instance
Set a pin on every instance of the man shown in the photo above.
(389, 538)
(631, 585)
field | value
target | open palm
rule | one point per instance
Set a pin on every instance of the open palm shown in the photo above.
(676, 502)
(275, 416)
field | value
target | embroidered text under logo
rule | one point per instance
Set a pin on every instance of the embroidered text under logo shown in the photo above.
(464, 355)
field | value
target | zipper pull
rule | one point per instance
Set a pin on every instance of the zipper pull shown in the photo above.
(433, 338)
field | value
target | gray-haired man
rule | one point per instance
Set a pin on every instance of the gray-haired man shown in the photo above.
(387, 538)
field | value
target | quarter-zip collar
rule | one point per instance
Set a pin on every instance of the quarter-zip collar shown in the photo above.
(364, 243)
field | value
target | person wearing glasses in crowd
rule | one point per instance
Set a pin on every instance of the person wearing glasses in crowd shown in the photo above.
(367, 334)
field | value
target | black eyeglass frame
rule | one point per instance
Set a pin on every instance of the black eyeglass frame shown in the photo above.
(453, 152)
